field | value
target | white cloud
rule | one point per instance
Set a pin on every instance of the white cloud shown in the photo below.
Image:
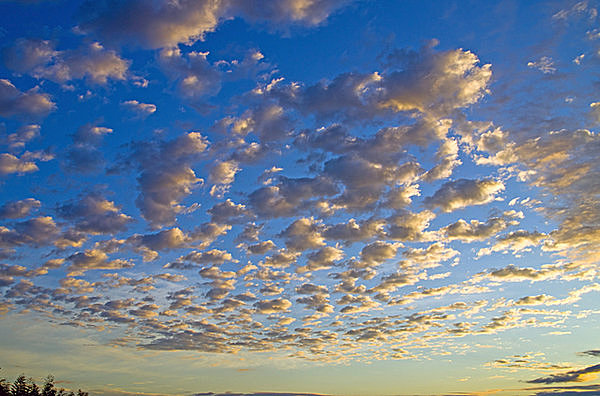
(141, 109)
(545, 64)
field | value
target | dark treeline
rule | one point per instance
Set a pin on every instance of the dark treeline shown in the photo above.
(27, 387)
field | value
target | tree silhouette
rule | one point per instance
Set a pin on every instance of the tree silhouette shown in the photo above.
(20, 387)
(48, 389)
(4, 387)
(27, 387)
(34, 390)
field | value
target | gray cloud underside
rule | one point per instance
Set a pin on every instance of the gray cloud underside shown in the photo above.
(570, 376)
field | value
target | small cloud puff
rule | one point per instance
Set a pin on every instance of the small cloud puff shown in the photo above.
(19, 209)
(142, 110)
(461, 193)
(30, 104)
(545, 64)
(40, 59)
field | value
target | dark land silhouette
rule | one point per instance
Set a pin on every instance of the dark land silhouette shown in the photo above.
(23, 386)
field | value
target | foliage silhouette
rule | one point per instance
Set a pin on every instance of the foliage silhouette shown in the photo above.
(27, 387)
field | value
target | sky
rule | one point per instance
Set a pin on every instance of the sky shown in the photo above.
(292, 197)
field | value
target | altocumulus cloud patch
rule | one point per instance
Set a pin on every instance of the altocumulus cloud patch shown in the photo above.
(310, 196)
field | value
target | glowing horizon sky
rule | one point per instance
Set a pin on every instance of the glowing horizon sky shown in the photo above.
(301, 196)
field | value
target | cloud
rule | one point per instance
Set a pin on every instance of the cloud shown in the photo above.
(30, 104)
(364, 303)
(474, 230)
(303, 234)
(162, 24)
(261, 247)
(356, 172)
(429, 257)
(249, 67)
(206, 233)
(145, 311)
(569, 390)
(561, 163)
(215, 273)
(37, 231)
(461, 288)
(514, 241)
(323, 258)
(352, 231)
(228, 212)
(166, 24)
(12, 164)
(272, 306)
(94, 259)
(270, 122)
(213, 256)
(376, 253)
(595, 111)
(22, 136)
(408, 226)
(461, 193)
(390, 283)
(431, 83)
(290, 196)
(142, 110)
(303, 12)
(84, 154)
(25, 55)
(334, 139)
(309, 288)
(40, 59)
(19, 209)
(591, 352)
(341, 235)
(581, 8)
(7, 272)
(281, 259)
(541, 299)
(95, 215)
(447, 154)
(222, 174)
(581, 375)
(250, 233)
(75, 286)
(513, 273)
(365, 180)
(319, 302)
(545, 64)
(151, 244)
(194, 75)
(174, 238)
(166, 176)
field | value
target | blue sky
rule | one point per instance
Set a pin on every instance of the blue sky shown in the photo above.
(300, 196)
